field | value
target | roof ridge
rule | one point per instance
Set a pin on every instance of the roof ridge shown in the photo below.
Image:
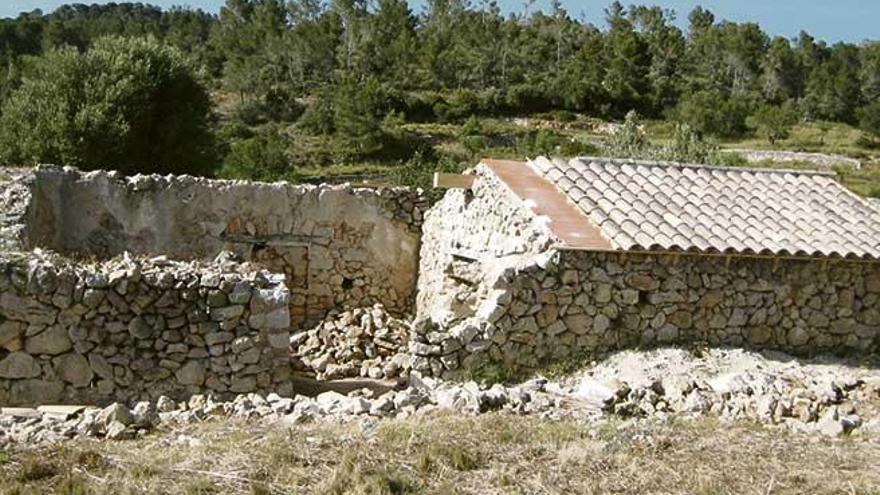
(662, 163)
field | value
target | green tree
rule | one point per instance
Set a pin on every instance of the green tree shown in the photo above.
(134, 105)
(628, 62)
(781, 77)
(666, 45)
(869, 119)
(772, 123)
(834, 89)
(713, 113)
(261, 157)
(358, 111)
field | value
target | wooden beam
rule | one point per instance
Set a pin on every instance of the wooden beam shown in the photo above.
(450, 181)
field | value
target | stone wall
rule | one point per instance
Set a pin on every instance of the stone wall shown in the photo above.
(338, 246)
(820, 160)
(582, 304)
(466, 238)
(126, 329)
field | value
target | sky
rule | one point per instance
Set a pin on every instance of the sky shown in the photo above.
(831, 20)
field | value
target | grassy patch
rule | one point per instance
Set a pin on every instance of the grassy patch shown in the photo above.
(447, 453)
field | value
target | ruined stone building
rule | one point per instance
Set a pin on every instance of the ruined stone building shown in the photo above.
(180, 285)
(551, 258)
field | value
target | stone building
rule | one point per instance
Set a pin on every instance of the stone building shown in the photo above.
(180, 285)
(522, 265)
(553, 259)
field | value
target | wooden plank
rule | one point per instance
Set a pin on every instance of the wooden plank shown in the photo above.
(449, 181)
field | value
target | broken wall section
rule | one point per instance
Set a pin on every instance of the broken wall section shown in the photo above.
(135, 329)
(338, 246)
(468, 237)
(15, 195)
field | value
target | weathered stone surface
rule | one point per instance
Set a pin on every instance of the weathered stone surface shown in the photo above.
(100, 366)
(139, 328)
(36, 391)
(192, 373)
(10, 330)
(74, 368)
(53, 341)
(19, 365)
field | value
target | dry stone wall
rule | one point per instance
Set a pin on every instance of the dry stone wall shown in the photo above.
(135, 329)
(821, 160)
(581, 304)
(338, 246)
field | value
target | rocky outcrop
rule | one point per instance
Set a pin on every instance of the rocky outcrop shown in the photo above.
(137, 328)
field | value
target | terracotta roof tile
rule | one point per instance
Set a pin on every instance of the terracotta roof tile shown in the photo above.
(668, 206)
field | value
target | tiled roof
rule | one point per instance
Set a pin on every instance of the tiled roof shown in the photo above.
(641, 205)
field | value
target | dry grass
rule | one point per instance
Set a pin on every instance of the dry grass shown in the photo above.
(449, 454)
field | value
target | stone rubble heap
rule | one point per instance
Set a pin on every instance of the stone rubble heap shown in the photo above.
(363, 342)
(137, 328)
(831, 399)
(772, 388)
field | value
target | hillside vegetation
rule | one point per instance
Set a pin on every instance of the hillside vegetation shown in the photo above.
(348, 89)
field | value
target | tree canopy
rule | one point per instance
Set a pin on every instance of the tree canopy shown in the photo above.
(133, 104)
(340, 68)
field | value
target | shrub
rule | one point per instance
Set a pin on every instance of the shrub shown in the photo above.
(869, 120)
(281, 105)
(261, 157)
(418, 171)
(318, 116)
(713, 113)
(132, 104)
(629, 141)
(772, 123)
(688, 146)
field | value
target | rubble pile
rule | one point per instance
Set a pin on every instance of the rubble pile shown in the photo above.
(363, 342)
(823, 398)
